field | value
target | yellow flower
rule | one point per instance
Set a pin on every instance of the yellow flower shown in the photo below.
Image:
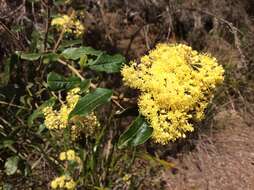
(63, 181)
(70, 155)
(59, 119)
(68, 24)
(176, 84)
(70, 184)
(54, 184)
(62, 156)
(61, 20)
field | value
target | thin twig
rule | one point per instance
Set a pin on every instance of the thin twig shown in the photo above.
(75, 71)
(5, 122)
(71, 68)
(99, 3)
(132, 39)
(13, 105)
(93, 86)
(14, 12)
(12, 35)
(62, 33)
(48, 21)
(59, 40)
(234, 31)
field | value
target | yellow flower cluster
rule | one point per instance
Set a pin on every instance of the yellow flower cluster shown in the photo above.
(59, 119)
(68, 24)
(64, 181)
(84, 125)
(176, 84)
(69, 155)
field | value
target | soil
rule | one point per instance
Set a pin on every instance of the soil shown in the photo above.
(223, 160)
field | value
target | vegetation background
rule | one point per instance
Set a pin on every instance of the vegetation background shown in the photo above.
(219, 155)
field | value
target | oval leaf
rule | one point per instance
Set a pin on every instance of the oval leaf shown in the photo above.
(108, 63)
(50, 57)
(57, 82)
(91, 101)
(137, 133)
(30, 56)
(11, 165)
(74, 53)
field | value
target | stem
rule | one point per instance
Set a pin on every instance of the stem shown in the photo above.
(59, 40)
(71, 68)
(62, 34)
(75, 71)
(93, 86)
(47, 26)
(13, 105)
(132, 158)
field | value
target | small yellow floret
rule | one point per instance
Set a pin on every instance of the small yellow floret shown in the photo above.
(62, 156)
(54, 184)
(59, 119)
(69, 155)
(70, 185)
(64, 181)
(176, 84)
(68, 24)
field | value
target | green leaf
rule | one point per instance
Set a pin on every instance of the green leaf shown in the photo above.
(74, 53)
(68, 43)
(50, 57)
(108, 63)
(84, 85)
(41, 128)
(8, 65)
(137, 133)
(38, 112)
(30, 56)
(83, 61)
(11, 165)
(57, 82)
(7, 186)
(8, 142)
(91, 101)
(155, 161)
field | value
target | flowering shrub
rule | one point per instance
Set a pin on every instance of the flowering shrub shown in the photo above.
(176, 84)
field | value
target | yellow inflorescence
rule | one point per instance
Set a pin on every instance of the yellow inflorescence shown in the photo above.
(176, 84)
(68, 24)
(59, 119)
(69, 155)
(63, 182)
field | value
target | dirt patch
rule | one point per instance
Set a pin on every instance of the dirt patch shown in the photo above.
(222, 160)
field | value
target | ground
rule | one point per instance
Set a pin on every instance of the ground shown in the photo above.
(223, 159)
